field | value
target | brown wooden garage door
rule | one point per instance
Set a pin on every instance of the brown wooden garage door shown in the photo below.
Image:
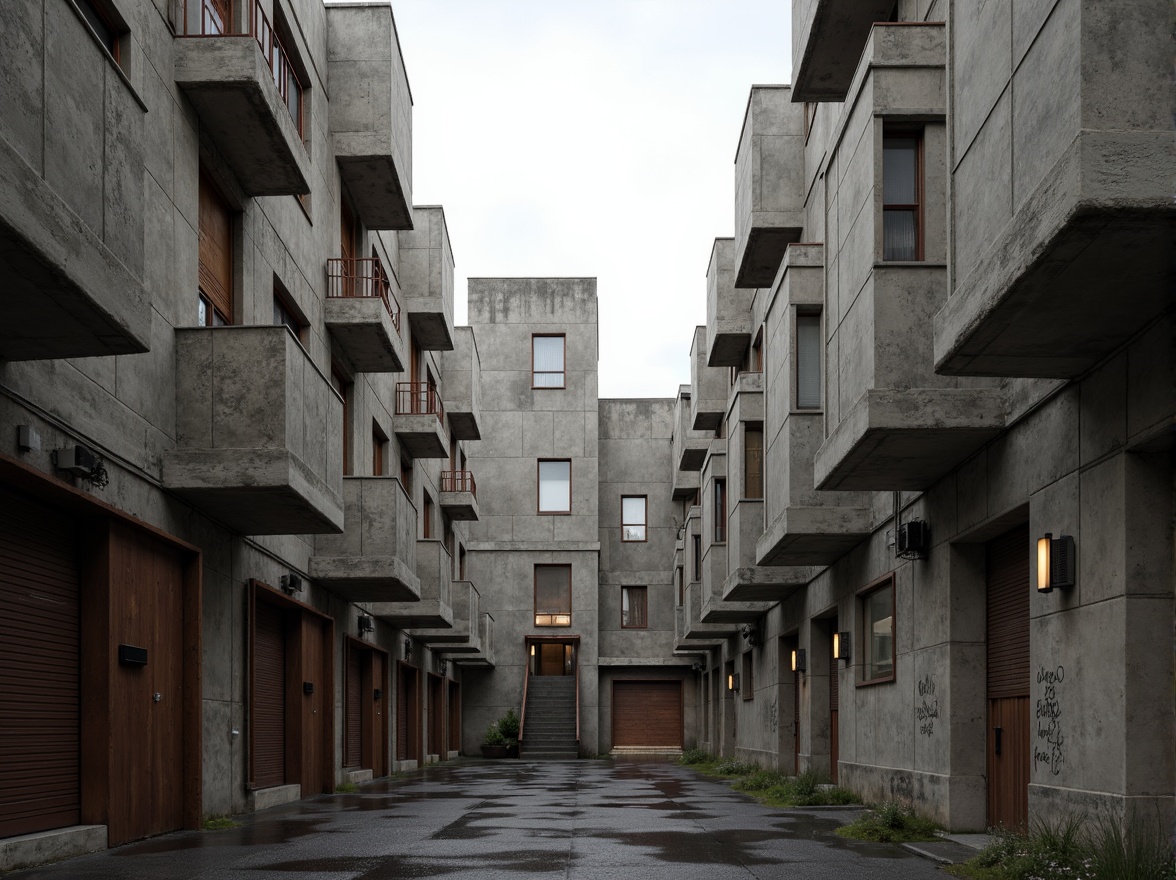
(647, 713)
(39, 782)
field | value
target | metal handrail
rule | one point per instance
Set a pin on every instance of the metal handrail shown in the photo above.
(213, 24)
(362, 278)
(459, 481)
(526, 681)
(576, 672)
(418, 398)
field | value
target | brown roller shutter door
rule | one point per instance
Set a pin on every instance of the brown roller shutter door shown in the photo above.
(39, 779)
(352, 741)
(647, 713)
(269, 696)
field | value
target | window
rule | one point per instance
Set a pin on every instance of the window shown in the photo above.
(103, 26)
(634, 607)
(901, 191)
(341, 385)
(696, 557)
(753, 461)
(547, 361)
(808, 361)
(679, 576)
(461, 563)
(747, 683)
(426, 516)
(878, 631)
(406, 476)
(555, 485)
(633, 518)
(215, 270)
(285, 313)
(757, 352)
(379, 450)
(553, 595)
(720, 511)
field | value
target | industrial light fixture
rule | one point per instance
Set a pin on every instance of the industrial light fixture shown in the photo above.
(841, 646)
(366, 624)
(733, 682)
(408, 649)
(290, 584)
(799, 663)
(1055, 562)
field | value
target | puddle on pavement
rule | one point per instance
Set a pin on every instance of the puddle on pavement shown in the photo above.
(266, 833)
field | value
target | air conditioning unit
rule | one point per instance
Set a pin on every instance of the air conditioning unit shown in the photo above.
(78, 460)
(914, 539)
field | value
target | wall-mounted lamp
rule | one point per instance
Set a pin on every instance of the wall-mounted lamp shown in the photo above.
(841, 646)
(532, 650)
(408, 649)
(799, 661)
(1055, 562)
(366, 624)
(733, 682)
(290, 584)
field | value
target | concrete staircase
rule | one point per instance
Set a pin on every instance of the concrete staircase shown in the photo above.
(549, 732)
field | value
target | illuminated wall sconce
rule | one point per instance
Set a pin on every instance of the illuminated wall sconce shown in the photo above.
(799, 661)
(733, 682)
(841, 646)
(366, 624)
(532, 650)
(1055, 562)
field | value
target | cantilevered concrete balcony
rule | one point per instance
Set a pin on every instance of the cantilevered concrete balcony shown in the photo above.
(1072, 254)
(708, 387)
(769, 186)
(688, 449)
(716, 609)
(246, 91)
(694, 633)
(804, 527)
(370, 112)
(69, 290)
(419, 421)
(461, 383)
(728, 309)
(362, 314)
(426, 277)
(746, 581)
(484, 656)
(828, 37)
(465, 636)
(374, 559)
(434, 609)
(459, 496)
(255, 447)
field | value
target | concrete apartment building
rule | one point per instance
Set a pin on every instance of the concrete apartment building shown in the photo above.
(941, 334)
(271, 522)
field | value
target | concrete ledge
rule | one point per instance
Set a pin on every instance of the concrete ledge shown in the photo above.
(27, 850)
(452, 755)
(766, 584)
(403, 766)
(355, 777)
(264, 798)
(813, 535)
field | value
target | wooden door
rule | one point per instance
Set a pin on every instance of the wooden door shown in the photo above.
(454, 716)
(316, 761)
(353, 688)
(216, 251)
(268, 698)
(375, 715)
(551, 658)
(1007, 559)
(647, 713)
(146, 701)
(408, 720)
(39, 673)
(436, 715)
(834, 688)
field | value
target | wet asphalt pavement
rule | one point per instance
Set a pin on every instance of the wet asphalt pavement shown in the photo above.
(591, 820)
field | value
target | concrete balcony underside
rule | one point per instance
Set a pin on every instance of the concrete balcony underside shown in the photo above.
(364, 330)
(812, 535)
(709, 414)
(1102, 273)
(463, 422)
(693, 454)
(772, 585)
(483, 657)
(425, 614)
(730, 342)
(366, 578)
(831, 39)
(768, 238)
(231, 86)
(696, 632)
(64, 293)
(464, 636)
(434, 567)
(421, 435)
(908, 440)
(430, 325)
(460, 506)
(373, 182)
(685, 484)
(716, 610)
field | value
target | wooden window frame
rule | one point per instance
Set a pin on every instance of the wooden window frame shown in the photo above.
(696, 557)
(406, 468)
(564, 372)
(426, 515)
(899, 132)
(720, 512)
(344, 386)
(538, 482)
(644, 593)
(644, 520)
(755, 428)
(747, 676)
(379, 450)
(535, 597)
(797, 313)
(887, 580)
(108, 16)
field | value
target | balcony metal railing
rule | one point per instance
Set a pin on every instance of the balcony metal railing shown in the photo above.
(418, 398)
(350, 277)
(459, 481)
(217, 19)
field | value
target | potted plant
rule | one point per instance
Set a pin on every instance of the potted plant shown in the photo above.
(494, 743)
(508, 726)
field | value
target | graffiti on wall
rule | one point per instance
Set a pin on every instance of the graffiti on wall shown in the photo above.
(773, 715)
(927, 709)
(1050, 740)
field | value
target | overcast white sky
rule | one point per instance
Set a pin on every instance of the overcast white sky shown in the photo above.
(591, 138)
